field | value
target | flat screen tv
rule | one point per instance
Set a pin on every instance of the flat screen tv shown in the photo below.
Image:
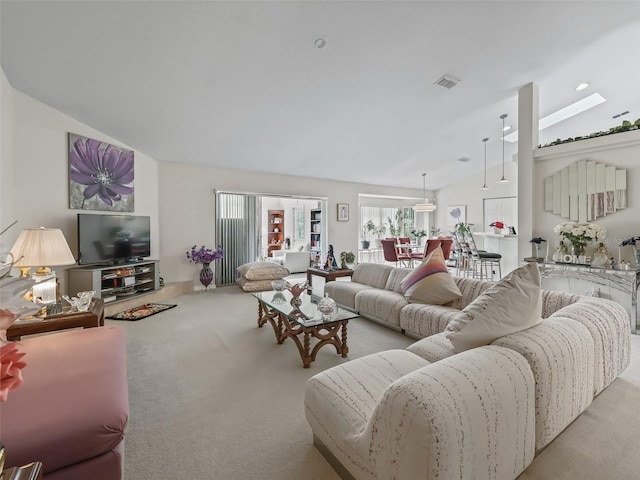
(112, 238)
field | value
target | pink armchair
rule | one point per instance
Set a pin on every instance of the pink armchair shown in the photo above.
(72, 410)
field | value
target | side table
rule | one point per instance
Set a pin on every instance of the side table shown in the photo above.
(33, 471)
(94, 317)
(328, 275)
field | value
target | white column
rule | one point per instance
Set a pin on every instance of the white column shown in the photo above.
(528, 116)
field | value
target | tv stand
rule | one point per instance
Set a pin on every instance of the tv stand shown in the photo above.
(118, 282)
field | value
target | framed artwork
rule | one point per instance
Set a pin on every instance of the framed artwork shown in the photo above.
(343, 212)
(456, 214)
(100, 175)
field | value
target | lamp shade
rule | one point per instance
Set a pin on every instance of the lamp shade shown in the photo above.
(426, 206)
(39, 247)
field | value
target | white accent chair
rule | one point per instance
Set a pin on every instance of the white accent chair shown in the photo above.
(295, 262)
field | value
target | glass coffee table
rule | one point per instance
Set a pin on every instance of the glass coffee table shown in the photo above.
(305, 320)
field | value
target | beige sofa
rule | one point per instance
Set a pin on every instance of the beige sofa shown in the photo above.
(374, 292)
(429, 412)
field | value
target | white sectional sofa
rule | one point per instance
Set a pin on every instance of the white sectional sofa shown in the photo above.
(431, 413)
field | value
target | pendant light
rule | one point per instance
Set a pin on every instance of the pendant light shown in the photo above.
(503, 179)
(484, 185)
(426, 206)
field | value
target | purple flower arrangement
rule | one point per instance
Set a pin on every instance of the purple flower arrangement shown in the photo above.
(204, 254)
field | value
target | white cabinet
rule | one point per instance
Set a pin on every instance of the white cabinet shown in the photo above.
(115, 282)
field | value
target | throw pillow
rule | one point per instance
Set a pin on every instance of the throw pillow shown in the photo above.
(430, 282)
(511, 305)
(433, 263)
(262, 271)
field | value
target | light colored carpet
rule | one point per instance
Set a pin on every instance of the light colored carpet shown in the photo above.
(214, 397)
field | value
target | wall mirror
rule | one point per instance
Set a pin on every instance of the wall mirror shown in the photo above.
(585, 191)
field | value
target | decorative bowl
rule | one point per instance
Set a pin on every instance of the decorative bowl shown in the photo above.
(278, 285)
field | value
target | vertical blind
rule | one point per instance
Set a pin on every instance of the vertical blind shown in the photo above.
(237, 232)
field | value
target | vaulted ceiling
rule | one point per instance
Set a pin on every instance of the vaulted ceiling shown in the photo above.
(243, 84)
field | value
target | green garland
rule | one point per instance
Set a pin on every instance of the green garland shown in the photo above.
(626, 126)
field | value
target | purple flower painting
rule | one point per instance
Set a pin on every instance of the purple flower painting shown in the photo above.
(100, 175)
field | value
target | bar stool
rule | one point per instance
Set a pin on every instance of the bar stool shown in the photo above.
(483, 260)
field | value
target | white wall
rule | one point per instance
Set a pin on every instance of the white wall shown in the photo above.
(468, 192)
(35, 178)
(6, 164)
(621, 224)
(188, 213)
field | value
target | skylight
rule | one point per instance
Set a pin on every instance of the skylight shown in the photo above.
(563, 114)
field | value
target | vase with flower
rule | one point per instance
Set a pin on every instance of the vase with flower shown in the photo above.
(205, 256)
(537, 242)
(634, 243)
(497, 227)
(579, 236)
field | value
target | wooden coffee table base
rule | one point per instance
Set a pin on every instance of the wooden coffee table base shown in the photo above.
(332, 334)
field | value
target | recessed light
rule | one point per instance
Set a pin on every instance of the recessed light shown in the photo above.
(582, 86)
(507, 128)
(320, 43)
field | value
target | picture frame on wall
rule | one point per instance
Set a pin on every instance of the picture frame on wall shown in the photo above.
(100, 175)
(343, 212)
(456, 214)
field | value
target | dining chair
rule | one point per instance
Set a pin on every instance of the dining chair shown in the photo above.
(391, 253)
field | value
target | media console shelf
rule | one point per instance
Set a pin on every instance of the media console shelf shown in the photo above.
(115, 283)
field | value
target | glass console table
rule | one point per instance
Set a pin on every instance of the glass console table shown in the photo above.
(622, 283)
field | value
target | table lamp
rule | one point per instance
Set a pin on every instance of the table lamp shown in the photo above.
(43, 248)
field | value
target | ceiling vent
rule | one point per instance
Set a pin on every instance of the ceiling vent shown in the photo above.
(447, 82)
(621, 114)
(464, 159)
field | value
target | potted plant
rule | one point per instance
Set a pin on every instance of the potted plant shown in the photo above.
(367, 228)
(462, 227)
(393, 230)
(346, 259)
(380, 231)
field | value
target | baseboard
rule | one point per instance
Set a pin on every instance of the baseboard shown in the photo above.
(340, 469)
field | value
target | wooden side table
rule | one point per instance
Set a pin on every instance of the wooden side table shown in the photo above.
(33, 471)
(328, 275)
(94, 317)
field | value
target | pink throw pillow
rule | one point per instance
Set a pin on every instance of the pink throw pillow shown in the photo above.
(434, 263)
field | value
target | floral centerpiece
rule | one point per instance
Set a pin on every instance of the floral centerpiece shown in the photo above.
(418, 234)
(205, 256)
(633, 241)
(580, 234)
